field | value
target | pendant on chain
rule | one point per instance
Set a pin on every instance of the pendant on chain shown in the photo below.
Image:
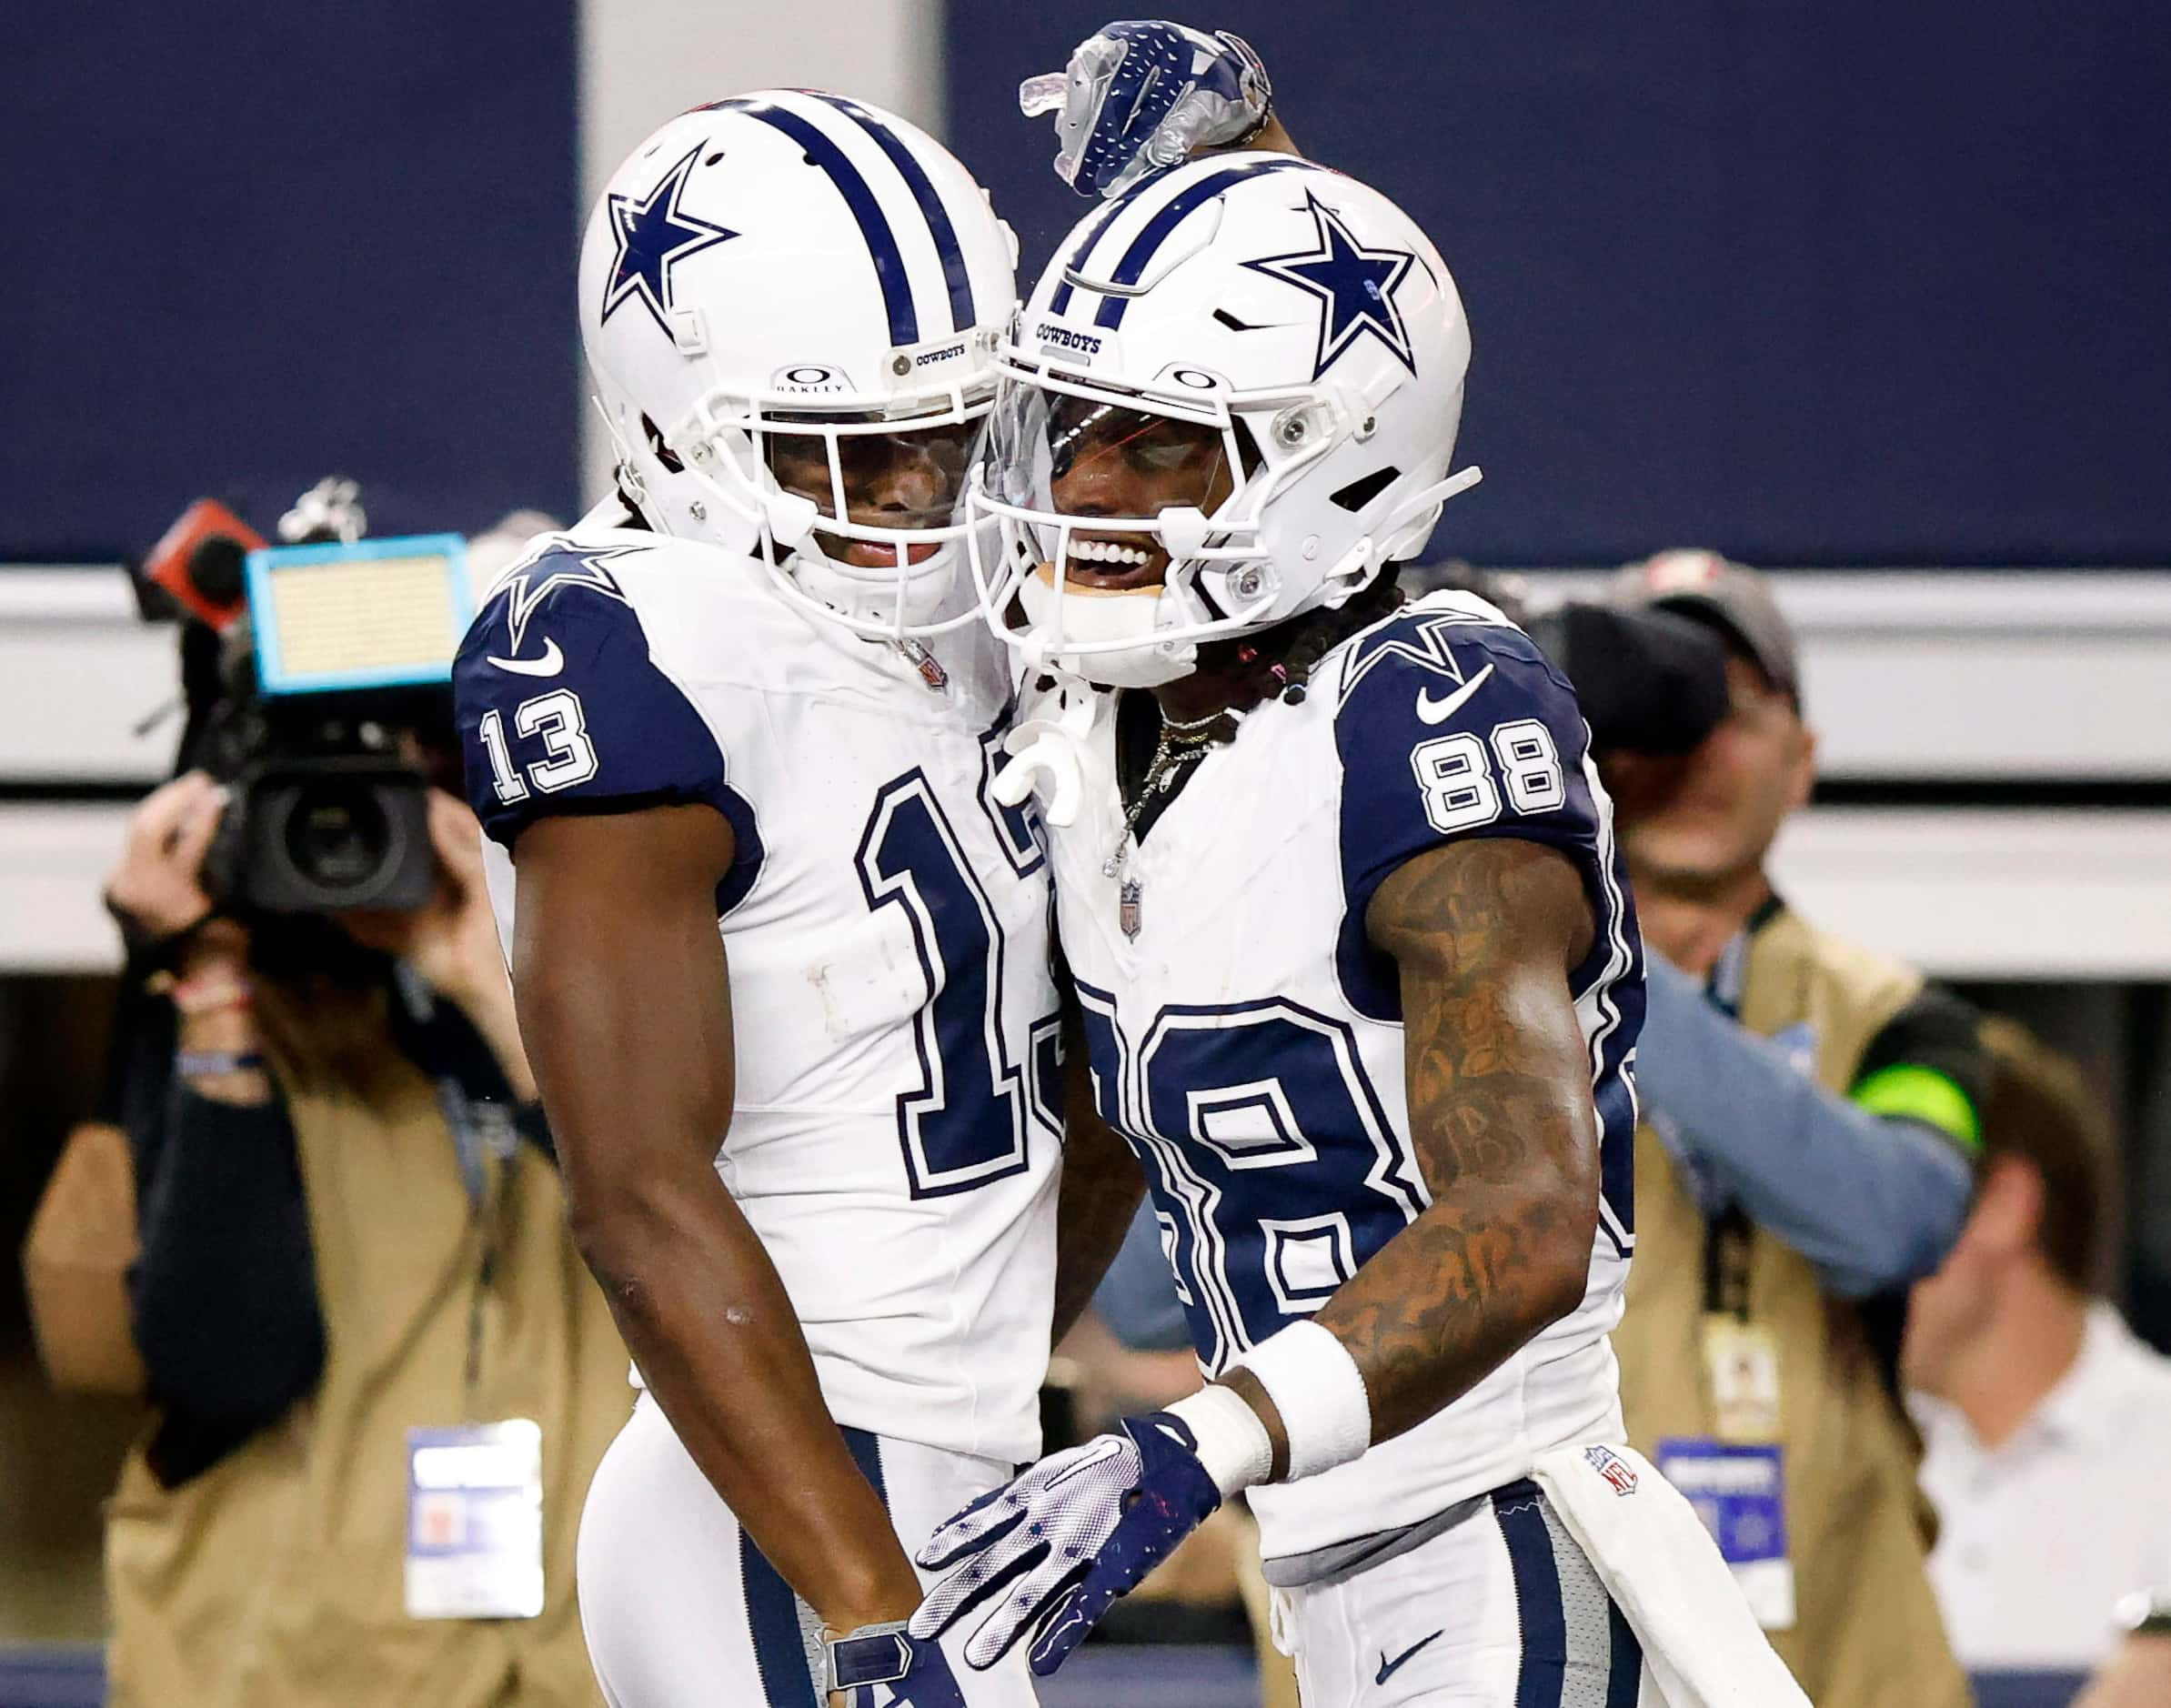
(1128, 897)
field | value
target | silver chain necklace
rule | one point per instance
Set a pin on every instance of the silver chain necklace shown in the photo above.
(1183, 742)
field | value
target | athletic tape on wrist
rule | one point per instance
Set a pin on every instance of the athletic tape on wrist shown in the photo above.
(1316, 1386)
(1233, 1444)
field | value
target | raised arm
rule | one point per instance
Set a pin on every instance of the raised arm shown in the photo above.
(626, 1007)
(1871, 1187)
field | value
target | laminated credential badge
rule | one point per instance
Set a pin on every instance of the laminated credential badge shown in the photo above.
(1740, 1494)
(474, 1520)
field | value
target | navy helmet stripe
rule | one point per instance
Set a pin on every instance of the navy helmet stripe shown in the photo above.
(1156, 230)
(1542, 1678)
(1061, 300)
(945, 233)
(874, 224)
(773, 1619)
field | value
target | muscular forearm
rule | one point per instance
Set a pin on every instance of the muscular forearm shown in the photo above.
(1270, 138)
(1499, 1111)
(1452, 1296)
(710, 1323)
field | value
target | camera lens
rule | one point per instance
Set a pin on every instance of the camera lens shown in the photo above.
(336, 835)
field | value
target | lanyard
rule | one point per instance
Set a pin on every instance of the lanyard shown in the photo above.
(483, 1143)
(1728, 1234)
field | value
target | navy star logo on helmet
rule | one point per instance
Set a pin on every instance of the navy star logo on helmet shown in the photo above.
(1355, 286)
(653, 236)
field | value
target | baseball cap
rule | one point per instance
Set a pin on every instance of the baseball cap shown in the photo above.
(1731, 595)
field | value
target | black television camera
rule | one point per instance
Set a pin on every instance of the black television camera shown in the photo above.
(318, 690)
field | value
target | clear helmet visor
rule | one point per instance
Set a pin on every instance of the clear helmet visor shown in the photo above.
(860, 516)
(1119, 525)
(874, 474)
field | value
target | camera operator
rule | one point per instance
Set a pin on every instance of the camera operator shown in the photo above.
(372, 1350)
(1812, 1111)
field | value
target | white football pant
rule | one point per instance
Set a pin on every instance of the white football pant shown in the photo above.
(680, 1610)
(1503, 1609)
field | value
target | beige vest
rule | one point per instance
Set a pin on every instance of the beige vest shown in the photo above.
(1868, 1633)
(275, 1580)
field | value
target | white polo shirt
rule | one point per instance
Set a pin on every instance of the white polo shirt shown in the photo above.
(2040, 1536)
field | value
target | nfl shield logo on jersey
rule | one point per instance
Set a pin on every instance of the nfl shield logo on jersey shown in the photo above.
(1608, 1465)
(1127, 907)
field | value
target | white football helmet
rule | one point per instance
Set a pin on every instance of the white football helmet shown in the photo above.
(1286, 334)
(777, 292)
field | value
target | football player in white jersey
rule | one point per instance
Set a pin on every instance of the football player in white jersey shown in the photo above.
(732, 739)
(1360, 973)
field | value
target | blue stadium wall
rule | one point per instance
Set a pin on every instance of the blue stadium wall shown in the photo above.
(250, 244)
(1838, 282)
(1842, 281)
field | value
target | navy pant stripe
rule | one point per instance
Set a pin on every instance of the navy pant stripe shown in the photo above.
(955, 278)
(867, 1453)
(773, 1610)
(1627, 1674)
(874, 224)
(773, 1615)
(1544, 1673)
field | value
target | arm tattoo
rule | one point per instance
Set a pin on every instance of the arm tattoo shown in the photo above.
(1501, 1119)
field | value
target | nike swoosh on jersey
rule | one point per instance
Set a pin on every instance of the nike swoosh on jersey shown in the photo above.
(550, 663)
(1431, 710)
(1387, 1669)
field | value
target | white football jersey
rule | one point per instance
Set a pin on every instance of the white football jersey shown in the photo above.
(1248, 1038)
(896, 1130)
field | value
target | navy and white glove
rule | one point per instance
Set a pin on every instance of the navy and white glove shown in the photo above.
(1142, 94)
(886, 1664)
(1063, 1538)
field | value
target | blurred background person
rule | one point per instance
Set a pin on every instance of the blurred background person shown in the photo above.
(2046, 1425)
(371, 1354)
(1810, 1112)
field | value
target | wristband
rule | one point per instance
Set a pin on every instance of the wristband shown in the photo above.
(1233, 1441)
(192, 1064)
(1317, 1388)
(873, 1654)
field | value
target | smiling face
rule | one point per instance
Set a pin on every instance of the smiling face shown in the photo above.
(906, 480)
(1115, 462)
